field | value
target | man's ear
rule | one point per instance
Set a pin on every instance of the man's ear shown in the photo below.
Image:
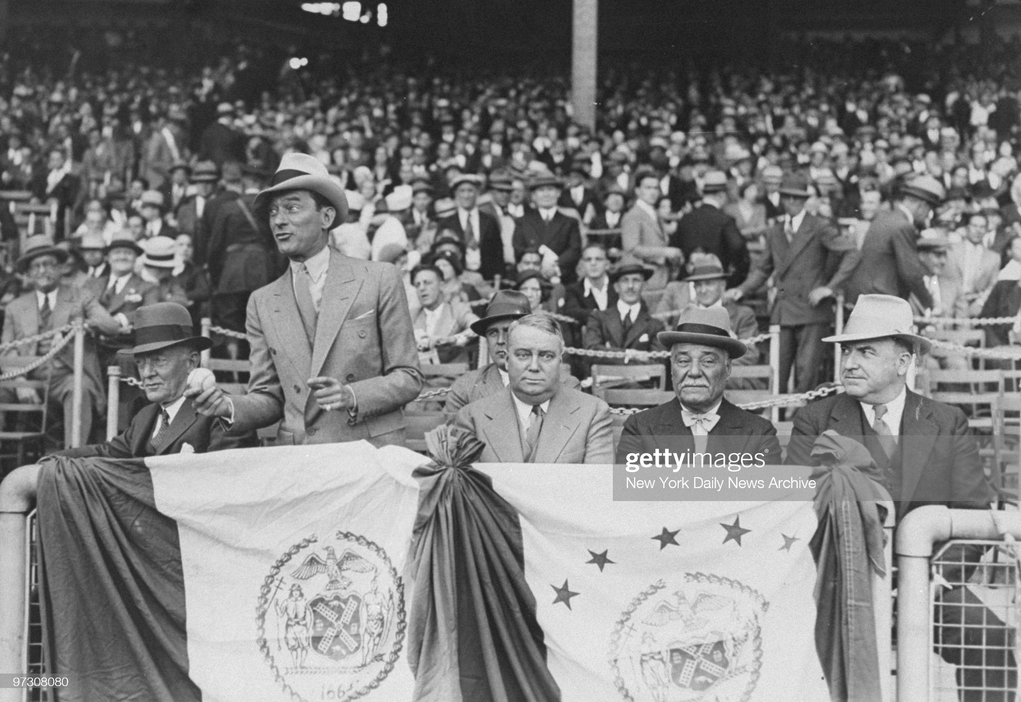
(329, 220)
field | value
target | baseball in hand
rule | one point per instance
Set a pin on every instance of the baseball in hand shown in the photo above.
(200, 380)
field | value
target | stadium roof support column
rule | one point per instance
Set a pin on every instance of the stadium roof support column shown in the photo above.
(5, 20)
(584, 59)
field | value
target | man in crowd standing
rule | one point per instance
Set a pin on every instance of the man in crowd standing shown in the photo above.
(555, 235)
(642, 235)
(809, 261)
(889, 254)
(332, 346)
(709, 230)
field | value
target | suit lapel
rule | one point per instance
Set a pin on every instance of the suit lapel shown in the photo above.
(491, 381)
(65, 305)
(638, 327)
(183, 420)
(499, 436)
(342, 285)
(558, 426)
(614, 326)
(146, 421)
(291, 335)
(917, 429)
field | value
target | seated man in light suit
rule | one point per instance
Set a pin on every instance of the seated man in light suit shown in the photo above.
(925, 454)
(165, 353)
(554, 424)
(492, 378)
(700, 419)
(333, 350)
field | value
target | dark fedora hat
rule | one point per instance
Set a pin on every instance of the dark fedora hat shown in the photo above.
(795, 185)
(124, 241)
(706, 327)
(164, 324)
(708, 268)
(506, 304)
(544, 179)
(36, 246)
(627, 268)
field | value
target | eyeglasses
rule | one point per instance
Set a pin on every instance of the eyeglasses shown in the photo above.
(39, 266)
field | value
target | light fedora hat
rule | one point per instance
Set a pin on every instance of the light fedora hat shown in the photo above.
(881, 317)
(303, 172)
(707, 327)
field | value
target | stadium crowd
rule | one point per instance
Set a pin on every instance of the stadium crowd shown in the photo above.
(470, 184)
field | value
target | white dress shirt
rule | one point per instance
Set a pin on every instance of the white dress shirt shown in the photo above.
(612, 219)
(894, 412)
(600, 295)
(626, 309)
(117, 284)
(51, 296)
(547, 214)
(473, 215)
(172, 409)
(524, 411)
(794, 222)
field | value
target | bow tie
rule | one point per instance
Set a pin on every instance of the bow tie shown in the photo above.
(705, 421)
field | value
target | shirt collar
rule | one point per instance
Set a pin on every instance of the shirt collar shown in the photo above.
(524, 409)
(718, 303)
(589, 287)
(906, 211)
(797, 219)
(504, 376)
(52, 295)
(647, 207)
(715, 409)
(625, 308)
(316, 265)
(547, 213)
(894, 410)
(174, 407)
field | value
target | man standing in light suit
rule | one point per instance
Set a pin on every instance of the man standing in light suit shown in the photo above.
(333, 349)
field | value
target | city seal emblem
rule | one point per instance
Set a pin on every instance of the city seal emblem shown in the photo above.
(695, 640)
(331, 617)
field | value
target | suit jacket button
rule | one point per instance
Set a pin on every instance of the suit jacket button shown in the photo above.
(311, 432)
(349, 377)
(272, 350)
(361, 334)
(297, 388)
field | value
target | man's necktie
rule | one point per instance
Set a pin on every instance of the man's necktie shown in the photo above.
(469, 232)
(45, 325)
(788, 230)
(700, 425)
(532, 435)
(306, 307)
(627, 323)
(156, 442)
(886, 438)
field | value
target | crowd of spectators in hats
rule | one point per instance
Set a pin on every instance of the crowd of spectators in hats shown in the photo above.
(473, 183)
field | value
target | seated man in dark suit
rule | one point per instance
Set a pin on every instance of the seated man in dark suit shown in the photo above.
(925, 454)
(626, 326)
(166, 352)
(553, 423)
(700, 419)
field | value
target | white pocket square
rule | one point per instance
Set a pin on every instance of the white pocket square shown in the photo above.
(363, 316)
(643, 337)
(187, 448)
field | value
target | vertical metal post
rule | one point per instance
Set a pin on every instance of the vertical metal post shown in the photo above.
(79, 377)
(17, 498)
(584, 53)
(838, 331)
(206, 324)
(774, 365)
(113, 399)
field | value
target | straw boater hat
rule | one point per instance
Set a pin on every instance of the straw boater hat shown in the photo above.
(714, 182)
(544, 179)
(205, 172)
(469, 178)
(880, 317)
(91, 241)
(154, 198)
(708, 268)
(36, 246)
(159, 252)
(931, 240)
(506, 304)
(303, 172)
(926, 188)
(164, 324)
(706, 327)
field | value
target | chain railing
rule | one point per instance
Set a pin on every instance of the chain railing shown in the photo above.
(645, 355)
(42, 360)
(753, 406)
(968, 321)
(229, 333)
(1007, 353)
(17, 343)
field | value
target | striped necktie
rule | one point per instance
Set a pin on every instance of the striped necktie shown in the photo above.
(156, 443)
(532, 435)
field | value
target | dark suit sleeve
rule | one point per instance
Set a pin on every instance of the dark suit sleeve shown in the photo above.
(843, 249)
(570, 256)
(599, 442)
(969, 488)
(220, 438)
(799, 450)
(769, 446)
(592, 337)
(573, 305)
(737, 252)
(763, 269)
(909, 267)
(117, 447)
